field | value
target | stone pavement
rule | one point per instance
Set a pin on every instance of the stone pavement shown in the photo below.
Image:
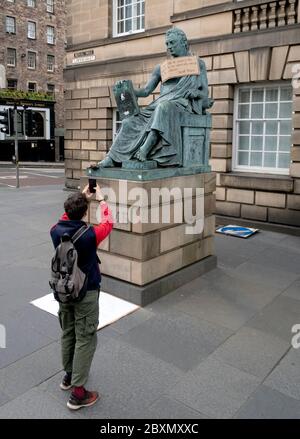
(218, 347)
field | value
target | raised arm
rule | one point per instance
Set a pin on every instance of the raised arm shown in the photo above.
(151, 85)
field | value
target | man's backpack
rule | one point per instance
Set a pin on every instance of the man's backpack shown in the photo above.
(68, 282)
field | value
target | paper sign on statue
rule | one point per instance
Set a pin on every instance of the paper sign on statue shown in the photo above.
(178, 67)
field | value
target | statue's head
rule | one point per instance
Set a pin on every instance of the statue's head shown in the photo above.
(177, 42)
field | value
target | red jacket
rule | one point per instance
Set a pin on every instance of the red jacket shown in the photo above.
(103, 229)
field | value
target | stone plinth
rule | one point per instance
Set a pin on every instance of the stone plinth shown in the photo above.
(163, 236)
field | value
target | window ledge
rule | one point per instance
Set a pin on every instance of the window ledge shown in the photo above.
(251, 180)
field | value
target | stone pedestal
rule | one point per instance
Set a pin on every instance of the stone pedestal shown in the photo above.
(163, 236)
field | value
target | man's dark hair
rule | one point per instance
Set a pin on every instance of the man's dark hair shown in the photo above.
(76, 206)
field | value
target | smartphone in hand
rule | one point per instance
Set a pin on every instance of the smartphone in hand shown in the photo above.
(92, 185)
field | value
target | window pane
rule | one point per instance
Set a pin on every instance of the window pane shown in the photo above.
(285, 110)
(128, 25)
(257, 143)
(128, 12)
(271, 95)
(244, 96)
(121, 27)
(285, 143)
(286, 94)
(258, 95)
(256, 159)
(257, 127)
(284, 160)
(244, 127)
(243, 158)
(285, 126)
(271, 127)
(257, 111)
(244, 111)
(120, 13)
(271, 111)
(244, 142)
(270, 160)
(271, 143)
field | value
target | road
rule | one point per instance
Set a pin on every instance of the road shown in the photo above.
(31, 177)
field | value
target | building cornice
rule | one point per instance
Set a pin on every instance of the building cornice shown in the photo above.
(114, 40)
(287, 35)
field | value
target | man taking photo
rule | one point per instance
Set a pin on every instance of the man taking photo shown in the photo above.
(79, 319)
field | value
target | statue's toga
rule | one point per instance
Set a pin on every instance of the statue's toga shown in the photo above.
(155, 133)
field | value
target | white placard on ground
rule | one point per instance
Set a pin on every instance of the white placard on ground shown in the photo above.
(111, 308)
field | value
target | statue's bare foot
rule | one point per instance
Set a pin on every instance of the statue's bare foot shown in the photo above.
(106, 163)
(141, 155)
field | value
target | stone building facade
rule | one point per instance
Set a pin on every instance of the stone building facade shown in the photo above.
(26, 35)
(252, 53)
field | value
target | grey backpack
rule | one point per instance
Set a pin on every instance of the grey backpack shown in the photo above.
(68, 282)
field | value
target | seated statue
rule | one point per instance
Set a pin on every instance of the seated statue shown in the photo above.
(155, 133)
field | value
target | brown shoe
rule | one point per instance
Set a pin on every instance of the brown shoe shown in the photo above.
(89, 399)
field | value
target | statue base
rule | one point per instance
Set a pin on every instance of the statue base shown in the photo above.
(132, 173)
(158, 242)
(136, 164)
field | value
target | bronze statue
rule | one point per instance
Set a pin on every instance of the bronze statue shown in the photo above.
(154, 133)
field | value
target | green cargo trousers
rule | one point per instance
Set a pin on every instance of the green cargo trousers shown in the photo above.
(79, 322)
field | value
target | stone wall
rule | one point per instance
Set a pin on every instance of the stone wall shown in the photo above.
(262, 197)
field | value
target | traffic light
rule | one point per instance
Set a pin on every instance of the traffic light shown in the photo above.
(34, 124)
(7, 122)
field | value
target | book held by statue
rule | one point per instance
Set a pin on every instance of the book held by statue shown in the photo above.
(126, 99)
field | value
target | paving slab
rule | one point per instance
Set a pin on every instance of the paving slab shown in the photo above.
(252, 351)
(177, 338)
(21, 340)
(265, 275)
(166, 408)
(266, 403)
(282, 258)
(291, 243)
(240, 289)
(286, 376)
(34, 404)
(30, 371)
(233, 251)
(293, 290)
(215, 389)
(278, 318)
(217, 309)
